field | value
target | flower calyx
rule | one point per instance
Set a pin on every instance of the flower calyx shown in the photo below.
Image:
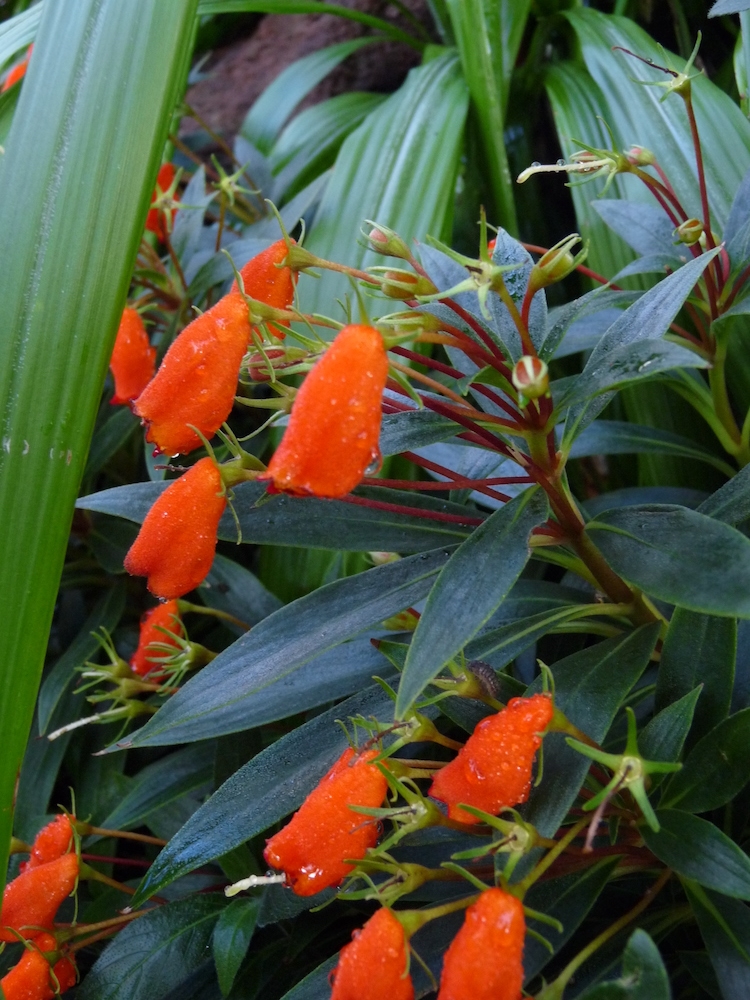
(680, 81)
(630, 770)
(557, 263)
(386, 241)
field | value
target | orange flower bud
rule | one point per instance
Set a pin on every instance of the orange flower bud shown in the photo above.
(375, 965)
(162, 617)
(484, 960)
(156, 219)
(133, 360)
(32, 899)
(30, 978)
(176, 544)
(266, 282)
(334, 426)
(17, 73)
(197, 379)
(324, 831)
(493, 769)
(52, 841)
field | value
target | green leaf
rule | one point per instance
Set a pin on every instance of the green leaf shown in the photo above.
(232, 588)
(90, 101)
(153, 954)
(108, 438)
(398, 169)
(414, 429)
(266, 118)
(696, 849)
(18, 32)
(725, 927)
(268, 787)
(678, 555)
(698, 650)
(589, 688)
(469, 590)
(618, 437)
(567, 899)
(644, 976)
(505, 643)
(232, 935)
(664, 736)
(208, 7)
(313, 523)
(730, 503)
(716, 769)
(105, 614)
(161, 783)
(220, 699)
(723, 7)
(645, 228)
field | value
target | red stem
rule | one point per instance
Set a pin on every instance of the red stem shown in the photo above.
(396, 508)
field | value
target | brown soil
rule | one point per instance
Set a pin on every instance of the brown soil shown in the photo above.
(238, 73)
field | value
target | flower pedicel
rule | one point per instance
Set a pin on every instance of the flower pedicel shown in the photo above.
(312, 847)
(334, 426)
(493, 769)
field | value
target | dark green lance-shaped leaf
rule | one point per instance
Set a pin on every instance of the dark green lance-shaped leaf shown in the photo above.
(646, 320)
(698, 850)
(268, 787)
(161, 783)
(414, 429)
(108, 438)
(618, 437)
(155, 953)
(698, 650)
(716, 769)
(725, 927)
(737, 229)
(589, 688)
(505, 643)
(469, 590)
(644, 976)
(678, 555)
(664, 737)
(266, 118)
(567, 899)
(105, 614)
(397, 168)
(645, 228)
(730, 503)
(100, 91)
(232, 935)
(232, 588)
(217, 701)
(314, 523)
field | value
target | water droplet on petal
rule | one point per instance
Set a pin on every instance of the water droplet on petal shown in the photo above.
(376, 463)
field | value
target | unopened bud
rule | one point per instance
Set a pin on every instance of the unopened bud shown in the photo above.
(398, 284)
(531, 377)
(258, 365)
(689, 232)
(639, 156)
(556, 263)
(386, 241)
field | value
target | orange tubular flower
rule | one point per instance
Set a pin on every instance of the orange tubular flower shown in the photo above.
(162, 617)
(493, 769)
(30, 978)
(266, 282)
(52, 841)
(133, 361)
(197, 379)
(312, 847)
(484, 961)
(17, 73)
(375, 965)
(31, 901)
(176, 544)
(334, 427)
(156, 219)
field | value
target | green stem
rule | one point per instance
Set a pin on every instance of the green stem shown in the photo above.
(551, 856)
(717, 381)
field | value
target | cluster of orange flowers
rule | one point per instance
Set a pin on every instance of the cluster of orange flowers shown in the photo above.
(325, 838)
(331, 438)
(30, 904)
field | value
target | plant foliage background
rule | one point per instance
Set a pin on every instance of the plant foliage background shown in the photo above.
(650, 391)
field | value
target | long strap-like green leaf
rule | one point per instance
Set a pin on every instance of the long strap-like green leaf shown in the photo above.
(75, 182)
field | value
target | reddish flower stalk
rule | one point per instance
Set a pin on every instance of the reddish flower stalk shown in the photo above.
(313, 847)
(395, 508)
